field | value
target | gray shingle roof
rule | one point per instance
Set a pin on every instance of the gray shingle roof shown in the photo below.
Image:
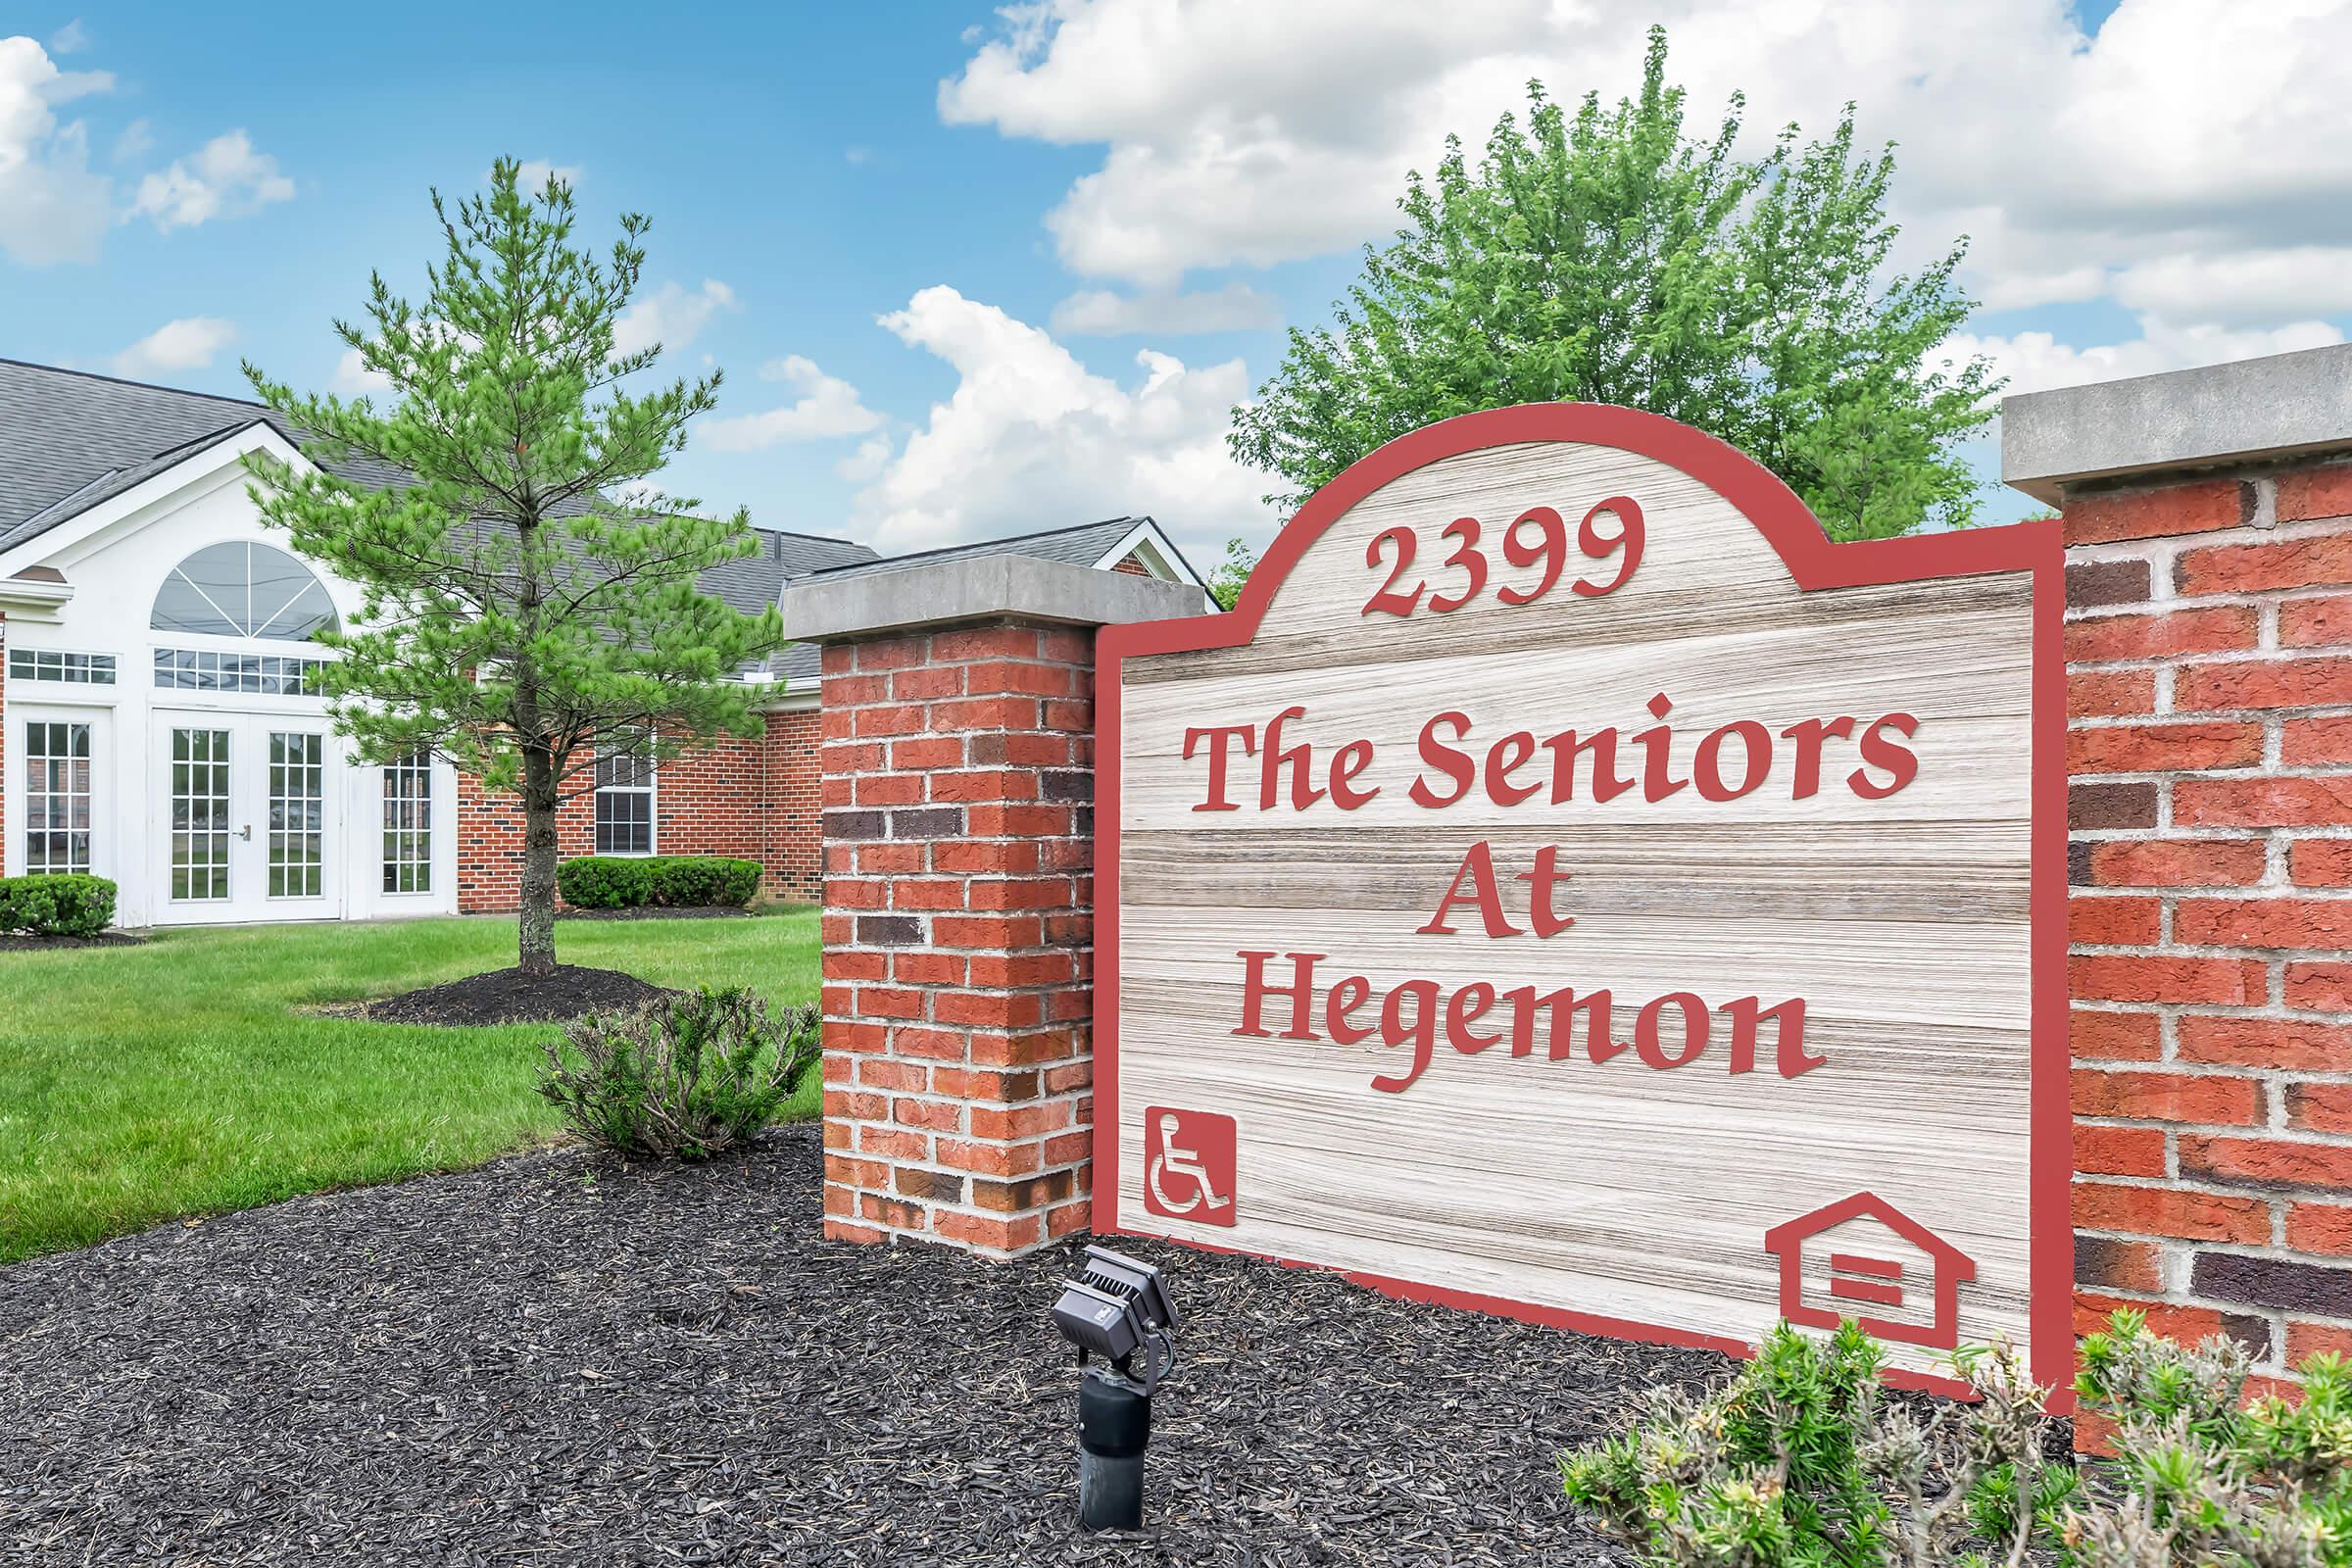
(71, 437)
(71, 440)
(1081, 545)
(750, 584)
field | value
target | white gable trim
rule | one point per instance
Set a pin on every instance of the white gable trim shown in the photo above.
(208, 465)
(1159, 556)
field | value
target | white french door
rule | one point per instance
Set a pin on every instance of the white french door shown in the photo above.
(249, 821)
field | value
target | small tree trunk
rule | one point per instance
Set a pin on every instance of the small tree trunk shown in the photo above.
(538, 937)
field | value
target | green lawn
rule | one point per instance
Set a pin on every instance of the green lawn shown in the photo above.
(138, 1084)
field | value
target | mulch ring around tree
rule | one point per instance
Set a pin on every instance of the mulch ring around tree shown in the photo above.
(559, 1359)
(104, 939)
(663, 911)
(508, 996)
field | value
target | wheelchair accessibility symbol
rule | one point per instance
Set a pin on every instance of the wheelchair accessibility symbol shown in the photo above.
(1188, 1165)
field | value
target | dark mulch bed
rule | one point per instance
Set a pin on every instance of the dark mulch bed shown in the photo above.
(556, 1359)
(104, 939)
(508, 996)
(651, 912)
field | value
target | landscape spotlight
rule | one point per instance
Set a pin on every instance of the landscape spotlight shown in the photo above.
(1116, 1309)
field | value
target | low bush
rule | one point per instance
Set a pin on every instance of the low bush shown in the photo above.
(690, 1076)
(2209, 1477)
(670, 881)
(1803, 1460)
(604, 882)
(56, 904)
(701, 881)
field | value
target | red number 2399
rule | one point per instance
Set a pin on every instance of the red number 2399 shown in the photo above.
(1538, 537)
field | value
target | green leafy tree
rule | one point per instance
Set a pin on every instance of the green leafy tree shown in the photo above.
(1606, 257)
(528, 599)
(1228, 577)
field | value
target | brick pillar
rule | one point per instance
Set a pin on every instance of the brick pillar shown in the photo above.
(2209, 648)
(957, 775)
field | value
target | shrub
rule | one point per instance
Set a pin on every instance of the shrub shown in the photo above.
(57, 904)
(703, 881)
(689, 1075)
(1804, 1459)
(1801, 1460)
(2206, 1475)
(604, 882)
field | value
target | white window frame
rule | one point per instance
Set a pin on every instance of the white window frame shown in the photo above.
(57, 666)
(88, 794)
(416, 840)
(649, 786)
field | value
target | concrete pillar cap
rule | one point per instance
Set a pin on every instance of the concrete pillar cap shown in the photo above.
(868, 601)
(2280, 406)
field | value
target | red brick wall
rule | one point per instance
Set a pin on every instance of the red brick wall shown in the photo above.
(754, 798)
(958, 780)
(2209, 648)
(490, 845)
(1133, 566)
(790, 848)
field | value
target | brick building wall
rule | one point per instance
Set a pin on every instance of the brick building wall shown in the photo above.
(2209, 664)
(752, 798)
(958, 778)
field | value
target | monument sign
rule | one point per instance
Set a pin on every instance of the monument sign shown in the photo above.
(1569, 886)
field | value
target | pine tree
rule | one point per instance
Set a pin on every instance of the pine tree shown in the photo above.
(529, 600)
(1609, 258)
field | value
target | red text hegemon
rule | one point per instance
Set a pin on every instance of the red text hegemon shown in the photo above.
(1417, 1013)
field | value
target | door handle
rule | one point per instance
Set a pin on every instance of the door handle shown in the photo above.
(246, 832)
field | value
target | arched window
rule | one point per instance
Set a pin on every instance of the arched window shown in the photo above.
(244, 589)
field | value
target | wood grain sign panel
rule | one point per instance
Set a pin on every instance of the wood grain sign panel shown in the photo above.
(1569, 886)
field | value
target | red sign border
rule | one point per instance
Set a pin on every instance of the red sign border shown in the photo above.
(1814, 562)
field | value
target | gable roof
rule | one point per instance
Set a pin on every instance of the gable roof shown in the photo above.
(1081, 545)
(71, 440)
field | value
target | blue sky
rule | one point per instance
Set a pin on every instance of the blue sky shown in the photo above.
(813, 171)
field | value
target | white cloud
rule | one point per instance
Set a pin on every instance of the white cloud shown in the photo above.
(534, 174)
(352, 378)
(1031, 439)
(1235, 131)
(187, 344)
(1101, 313)
(855, 156)
(670, 317)
(70, 40)
(867, 462)
(136, 140)
(52, 208)
(2035, 362)
(828, 407)
(226, 178)
(2253, 285)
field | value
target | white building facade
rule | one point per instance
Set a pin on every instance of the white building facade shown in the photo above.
(163, 725)
(159, 717)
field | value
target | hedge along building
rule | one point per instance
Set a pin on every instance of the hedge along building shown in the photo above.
(159, 719)
(1074, 977)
